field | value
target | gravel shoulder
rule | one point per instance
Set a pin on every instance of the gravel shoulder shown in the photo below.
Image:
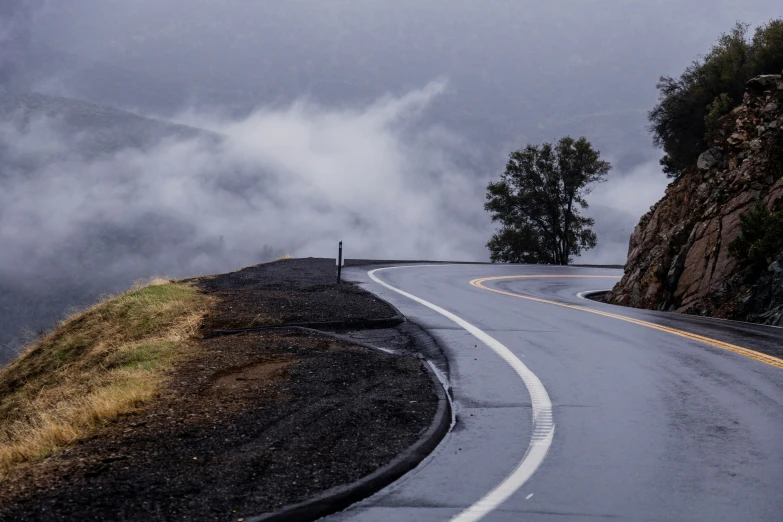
(248, 423)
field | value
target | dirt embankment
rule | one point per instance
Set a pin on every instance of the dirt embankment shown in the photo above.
(244, 424)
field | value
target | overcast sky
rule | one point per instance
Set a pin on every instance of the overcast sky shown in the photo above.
(515, 72)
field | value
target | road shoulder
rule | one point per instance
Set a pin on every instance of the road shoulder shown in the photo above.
(255, 422)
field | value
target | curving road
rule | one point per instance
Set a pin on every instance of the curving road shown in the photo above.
(654, 416)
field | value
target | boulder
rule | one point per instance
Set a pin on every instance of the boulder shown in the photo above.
(708, 159)
(765, 82)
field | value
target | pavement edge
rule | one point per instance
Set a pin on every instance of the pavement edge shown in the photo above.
(339, 498)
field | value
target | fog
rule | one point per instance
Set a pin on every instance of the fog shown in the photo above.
(276, 128)
(295, 179)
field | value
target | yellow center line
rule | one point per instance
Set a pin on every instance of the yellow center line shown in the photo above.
(768, 359)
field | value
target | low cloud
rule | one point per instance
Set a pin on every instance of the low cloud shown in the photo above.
(293, 181)
(617, 205)
(298, 179)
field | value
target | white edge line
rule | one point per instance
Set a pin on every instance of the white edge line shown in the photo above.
(543, 425)
(445, 385)
(581, 295)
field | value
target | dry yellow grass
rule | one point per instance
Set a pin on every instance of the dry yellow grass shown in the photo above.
(98, 364)
(285, 257)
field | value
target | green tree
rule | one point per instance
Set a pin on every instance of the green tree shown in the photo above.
(767, 48)
(686, 117)
(537, 202)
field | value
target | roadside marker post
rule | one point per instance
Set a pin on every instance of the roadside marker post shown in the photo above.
(339, 262)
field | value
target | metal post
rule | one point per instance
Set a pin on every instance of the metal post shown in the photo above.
(339, 262)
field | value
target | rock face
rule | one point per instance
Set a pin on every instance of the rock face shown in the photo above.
(678, 257)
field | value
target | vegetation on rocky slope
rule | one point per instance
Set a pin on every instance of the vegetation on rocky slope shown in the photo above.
(711, 246)
(686, 118)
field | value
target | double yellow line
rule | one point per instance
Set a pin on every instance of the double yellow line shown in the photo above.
(767, 359)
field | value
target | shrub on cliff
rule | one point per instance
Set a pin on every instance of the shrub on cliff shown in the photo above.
(761, 239)
(720, 106)
(710, 87)
(537, 201)
(775, 155)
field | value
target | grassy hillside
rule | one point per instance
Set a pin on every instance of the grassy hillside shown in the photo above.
(97, 365)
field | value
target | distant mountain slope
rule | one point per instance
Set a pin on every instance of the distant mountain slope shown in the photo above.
(95, 129)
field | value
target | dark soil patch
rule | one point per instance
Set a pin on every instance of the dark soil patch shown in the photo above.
(289, 291)
(247, 425)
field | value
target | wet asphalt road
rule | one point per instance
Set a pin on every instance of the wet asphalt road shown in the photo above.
(648, 425)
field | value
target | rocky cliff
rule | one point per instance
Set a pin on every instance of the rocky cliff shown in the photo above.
(679, 257)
